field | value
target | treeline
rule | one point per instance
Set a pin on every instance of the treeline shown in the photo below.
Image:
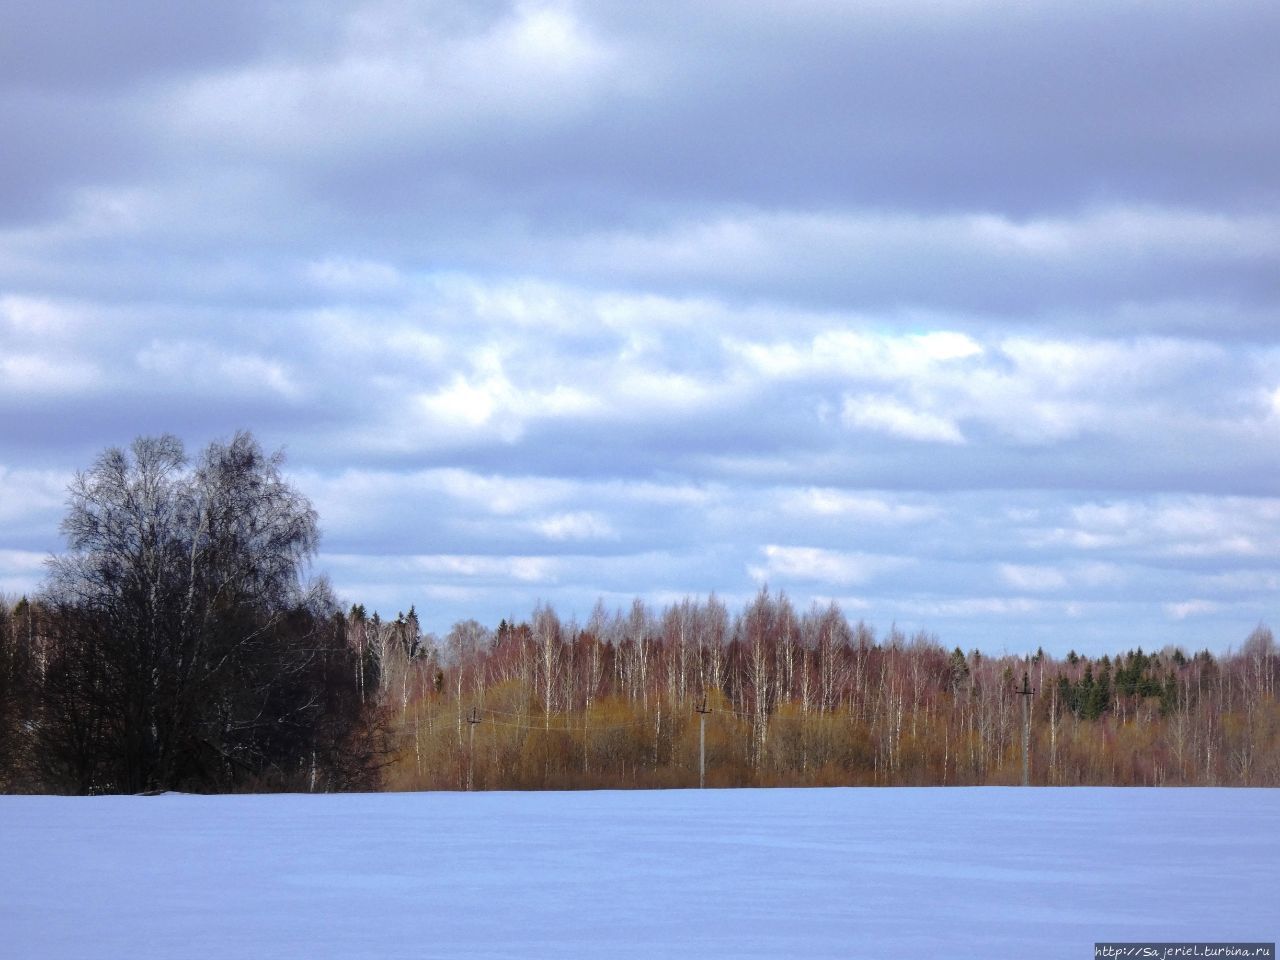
(802, 698)
(177, 646)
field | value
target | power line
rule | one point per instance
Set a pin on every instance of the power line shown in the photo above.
(591, 727)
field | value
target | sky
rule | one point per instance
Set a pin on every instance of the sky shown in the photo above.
(964, 314)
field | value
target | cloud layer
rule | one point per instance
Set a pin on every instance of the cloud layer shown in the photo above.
(964, 314)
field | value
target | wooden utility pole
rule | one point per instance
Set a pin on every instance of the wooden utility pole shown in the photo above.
(1026, 693)
(472, 720)
(702, 743)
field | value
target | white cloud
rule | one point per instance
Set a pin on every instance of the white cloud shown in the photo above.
(361, 502)
(465, 567)
(851, 353)
(1234, 581)
(21, 571)
(942, 386)
(1173, 526)
(397, 75)
(364, 504)
(1190, 608)
(25, 494)
(344, 274)
(883, 414)
(210, 368)
(1034, 578)
(501, 495)
(38, 317)
(1040, 578)
(974, 607)
(864, 508)
(31, 373)
(789, 248)
(665, 494)
(647, 392)
(22, 561)
(492, 401)
(783, 563)
(576, 525)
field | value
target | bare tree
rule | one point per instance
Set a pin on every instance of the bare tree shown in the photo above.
(188, 650)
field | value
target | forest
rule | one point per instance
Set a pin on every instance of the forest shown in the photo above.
(176, 645)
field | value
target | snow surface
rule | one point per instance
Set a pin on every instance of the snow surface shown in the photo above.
(985, 872)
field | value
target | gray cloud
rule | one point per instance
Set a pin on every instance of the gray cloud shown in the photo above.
(964, 314)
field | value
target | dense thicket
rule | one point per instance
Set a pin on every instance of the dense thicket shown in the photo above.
(177, 646)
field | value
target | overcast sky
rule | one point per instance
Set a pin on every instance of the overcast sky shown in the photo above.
(965, 313)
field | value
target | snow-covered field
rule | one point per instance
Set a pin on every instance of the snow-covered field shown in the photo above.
(991, 873)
